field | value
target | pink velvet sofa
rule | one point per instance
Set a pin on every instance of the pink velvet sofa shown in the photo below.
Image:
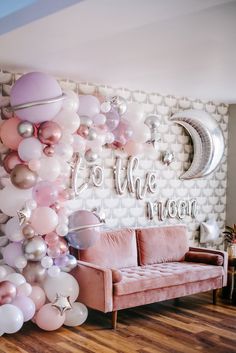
(132, 267)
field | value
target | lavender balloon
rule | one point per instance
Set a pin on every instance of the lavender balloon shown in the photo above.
(11, 252)
(86, 237)
(113, 119)
(36, 86)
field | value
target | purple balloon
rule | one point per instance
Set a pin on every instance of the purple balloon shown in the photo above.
(61, 261)
(86, 237)
(11, 252)
(26, 305)
(36, 86)
(45, 193)
(113, 119)
(88, 106)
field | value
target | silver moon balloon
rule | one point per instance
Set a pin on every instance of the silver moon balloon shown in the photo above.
(208, 141)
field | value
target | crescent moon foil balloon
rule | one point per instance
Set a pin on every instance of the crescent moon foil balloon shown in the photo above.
(208, 141)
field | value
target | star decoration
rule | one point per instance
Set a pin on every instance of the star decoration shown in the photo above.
(23, 215)
(62, 303)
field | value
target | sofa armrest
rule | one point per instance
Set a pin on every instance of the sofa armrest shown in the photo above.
(95, 284)
(224, 255)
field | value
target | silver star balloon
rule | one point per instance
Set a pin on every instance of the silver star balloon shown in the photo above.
(23, 215)
(62, 303)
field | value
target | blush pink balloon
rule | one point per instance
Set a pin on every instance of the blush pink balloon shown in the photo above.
(45, 193)
(38, 296)
(7, 292)
(133, 148)
(88, 106)
(9, 133)
(49, 318)
(26, 305)
(44, 220)
(32, 87)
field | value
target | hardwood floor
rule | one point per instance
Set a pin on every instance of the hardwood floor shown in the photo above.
(188, 325)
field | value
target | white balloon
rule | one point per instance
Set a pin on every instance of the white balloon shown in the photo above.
(77, 315)
(11, 318)
(47, 262)
(68, 121)
(30, 148)
(49, 168)
(20, 262)
(13, 230)
(13, 199)
(64, 284)
(54, 271)
(16, 278)
(71, 102)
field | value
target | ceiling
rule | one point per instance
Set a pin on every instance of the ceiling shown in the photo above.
(181, 47)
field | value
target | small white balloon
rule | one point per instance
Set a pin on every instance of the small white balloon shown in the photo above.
(62, 229)
(47, 262)
(54, 271)
(16, 278)
(20, 262)
(77, 315)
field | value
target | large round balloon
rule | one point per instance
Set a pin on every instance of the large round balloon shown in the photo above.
(63, 284)
(208, 141)
(11, 318)
(34, 87)
(13, 199)
(44, 220)
(84, 229)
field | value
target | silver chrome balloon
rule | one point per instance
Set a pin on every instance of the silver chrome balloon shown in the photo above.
(25, 129)
(35, 248)
(168, 157)
(70, 264)
(120, 104)
(208, 141)
(152, 121)
(90, 156)
(92, 135)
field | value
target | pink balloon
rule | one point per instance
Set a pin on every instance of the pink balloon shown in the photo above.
(38, 296)
(88, 106)
(36, 86)
(133, 148)
(44, 220)
(51, 239)
(45, 193)
(26, 305)
(9, 134)
(11, 252)
(49, 318)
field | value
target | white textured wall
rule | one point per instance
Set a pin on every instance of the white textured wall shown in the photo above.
(231, 177)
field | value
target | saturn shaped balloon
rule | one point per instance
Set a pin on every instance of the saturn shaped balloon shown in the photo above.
(208, 141)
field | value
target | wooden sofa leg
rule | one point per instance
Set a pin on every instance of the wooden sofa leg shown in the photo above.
(114, 319)
(215, 291)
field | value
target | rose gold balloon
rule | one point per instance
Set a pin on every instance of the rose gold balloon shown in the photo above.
(7, 292)
(62, 245)
(28, 231)
(10, 161)
(49, 132)
(49, 151)
(22, 177)
(83, 131)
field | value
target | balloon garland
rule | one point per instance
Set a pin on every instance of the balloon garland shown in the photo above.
(47, 130)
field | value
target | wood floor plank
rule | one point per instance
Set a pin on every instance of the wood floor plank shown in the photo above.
(190, 325)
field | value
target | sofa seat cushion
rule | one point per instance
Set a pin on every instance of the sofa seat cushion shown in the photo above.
(142, 278)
